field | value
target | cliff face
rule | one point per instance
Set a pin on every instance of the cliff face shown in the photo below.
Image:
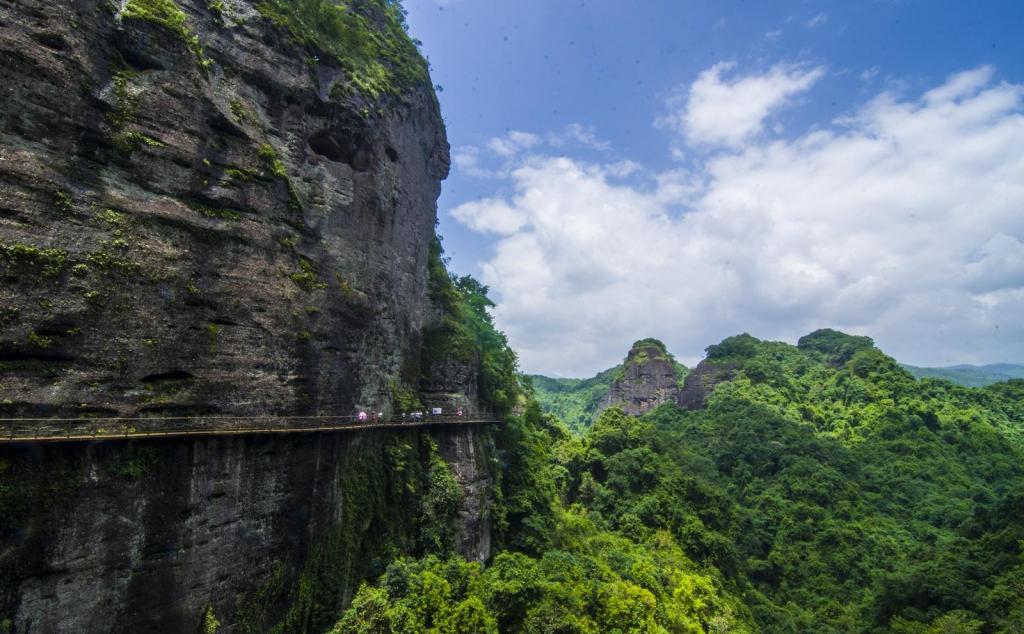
(649, 378)
(206, 207)
(259, 530)
(702, 380)
(203, 216)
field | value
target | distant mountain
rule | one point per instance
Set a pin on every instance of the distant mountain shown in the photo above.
(643, 381)
(647, 378)
(970, 375)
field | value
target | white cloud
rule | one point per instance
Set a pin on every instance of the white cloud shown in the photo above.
(816, 21)
(771, 36)
(902, 222)
(584, 136)
(717, 111)
(512, 143)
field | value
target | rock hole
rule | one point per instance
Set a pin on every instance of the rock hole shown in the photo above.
(392, 153)
(51, 41)
(173, 375)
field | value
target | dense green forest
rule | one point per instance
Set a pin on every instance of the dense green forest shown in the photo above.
(822, 489)
(574, 401)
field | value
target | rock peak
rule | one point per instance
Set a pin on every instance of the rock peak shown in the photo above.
(648, 378)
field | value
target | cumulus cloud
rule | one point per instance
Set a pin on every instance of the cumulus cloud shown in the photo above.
(902, 222)
(718, 111)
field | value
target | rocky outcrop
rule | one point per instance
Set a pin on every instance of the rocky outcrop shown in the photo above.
(701, 382)
(204, 216)
(649, 378)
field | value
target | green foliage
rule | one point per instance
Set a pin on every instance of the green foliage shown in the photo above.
(63, 201)
(836, 347)
(600, 583)
(733, 348)
(307, 277)
(396, 496)
(39, 341)
(210, 622)
(29, 259)
(367, 39)
(467, 333)
(574, 401)
(222, 213)
(269, 156)
(167, 14)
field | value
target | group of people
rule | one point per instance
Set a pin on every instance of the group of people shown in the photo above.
(378, 417)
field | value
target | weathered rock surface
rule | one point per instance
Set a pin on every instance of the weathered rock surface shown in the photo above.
(701, 382)
(181, 236)
(197, 227)
(145, 536)
(649, 378)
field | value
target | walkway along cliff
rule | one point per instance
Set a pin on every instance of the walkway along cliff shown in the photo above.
(223, 209)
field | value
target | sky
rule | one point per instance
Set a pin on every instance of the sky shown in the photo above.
(693, 170)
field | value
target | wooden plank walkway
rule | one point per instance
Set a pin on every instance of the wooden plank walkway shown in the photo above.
(20, 430)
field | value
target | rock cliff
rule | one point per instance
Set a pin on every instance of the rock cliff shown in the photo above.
(649, 377)
(147, 536)
(200, 211)
(220, 207)
(701, 382)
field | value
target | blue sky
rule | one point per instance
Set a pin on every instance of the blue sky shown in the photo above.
(690, 170)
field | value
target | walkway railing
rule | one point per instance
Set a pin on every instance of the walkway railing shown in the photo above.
(77, 429)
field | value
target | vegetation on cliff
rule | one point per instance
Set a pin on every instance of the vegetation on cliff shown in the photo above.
(366, 37)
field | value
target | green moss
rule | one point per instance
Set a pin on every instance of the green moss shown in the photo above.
(268, 154)
(168, 15)
(39, 341)
(223, 213)
(250, 609)
(218, 9)
(213, 330)
(125, 106)
(371, 44)
(114, 218)
(210, 622)
(27, 258)
(241, 113)
(63, 202)
(306, 277)
(113, 263)
(241, 174)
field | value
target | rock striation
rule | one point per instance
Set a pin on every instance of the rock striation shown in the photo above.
(204, 215)
(649, 378)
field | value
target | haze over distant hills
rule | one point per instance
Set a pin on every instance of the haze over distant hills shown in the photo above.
(971, 375)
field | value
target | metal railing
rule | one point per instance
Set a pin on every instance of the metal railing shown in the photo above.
(77, 429)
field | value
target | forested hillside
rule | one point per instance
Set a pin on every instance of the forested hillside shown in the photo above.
(574, 401)
(822, 489)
